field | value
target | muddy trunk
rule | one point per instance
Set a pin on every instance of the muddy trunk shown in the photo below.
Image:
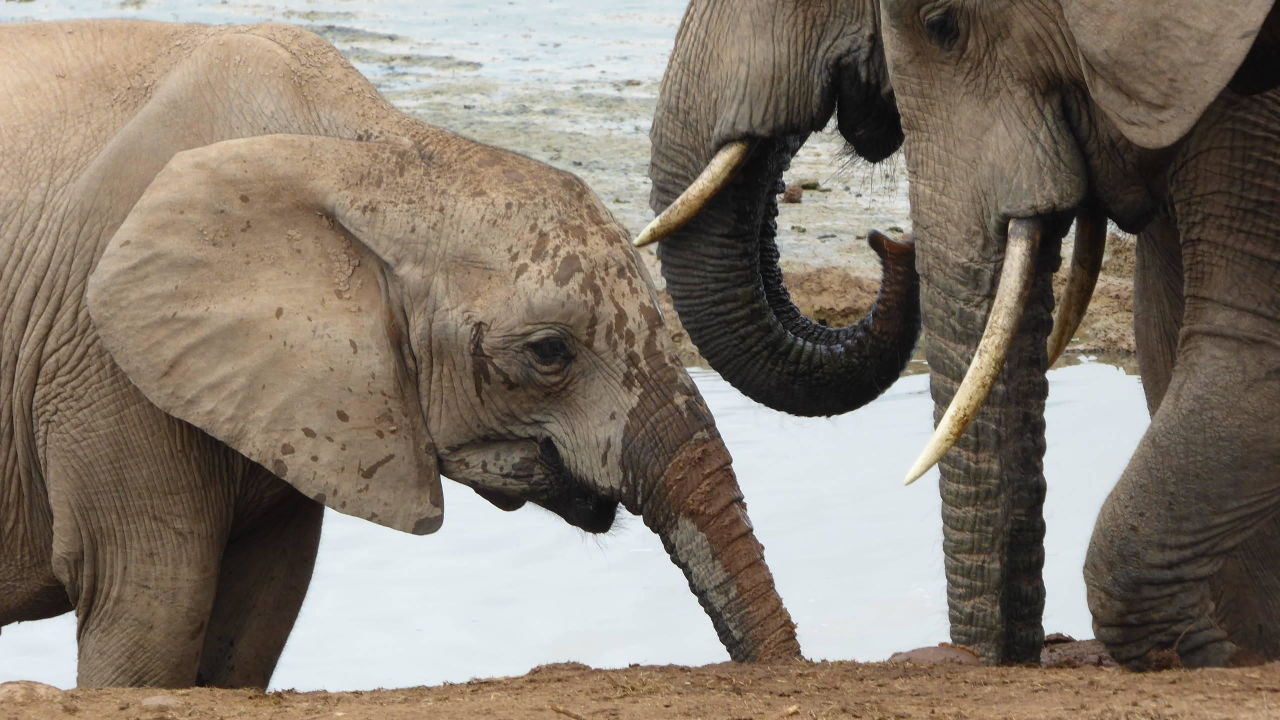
(698, 511)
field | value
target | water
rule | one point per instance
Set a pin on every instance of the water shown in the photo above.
(857, 557)
(558, 43)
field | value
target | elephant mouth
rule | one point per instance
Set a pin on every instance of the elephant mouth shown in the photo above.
(565, 495)
(510, 473)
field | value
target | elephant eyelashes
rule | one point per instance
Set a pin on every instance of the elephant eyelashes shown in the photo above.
(550, 354)
(942, 29)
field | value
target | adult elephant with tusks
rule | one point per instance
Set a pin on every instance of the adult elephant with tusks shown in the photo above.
(1018, 118)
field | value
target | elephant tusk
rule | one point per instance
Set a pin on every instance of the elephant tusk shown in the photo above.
(712, 180)
(1002, 323)
(1082, 277)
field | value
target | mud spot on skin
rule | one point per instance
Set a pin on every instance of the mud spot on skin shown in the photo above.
(540, 247)
(279, 313)
(592, 288)
(355, 350)
(570, 265)
(479, 359)
(373, 469)
(308, 432)
(287, 449)
(343, 416)
(244, 198)
(280, 469)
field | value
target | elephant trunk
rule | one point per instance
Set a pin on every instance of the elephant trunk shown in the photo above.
(697, 509)
(723, 276)
(992, 481)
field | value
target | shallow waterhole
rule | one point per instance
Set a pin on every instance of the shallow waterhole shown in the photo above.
(856, 556)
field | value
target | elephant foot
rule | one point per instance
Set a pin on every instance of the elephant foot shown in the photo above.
(1186, 652)
(1222, 654)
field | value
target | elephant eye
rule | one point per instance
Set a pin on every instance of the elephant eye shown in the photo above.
(942, 28)
(550, 354)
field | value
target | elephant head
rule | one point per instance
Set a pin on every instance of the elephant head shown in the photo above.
(746, 84)
(1019, 116)
(360, 317)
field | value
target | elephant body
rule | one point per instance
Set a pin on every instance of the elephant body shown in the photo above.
(236, 286)
(1164, 118)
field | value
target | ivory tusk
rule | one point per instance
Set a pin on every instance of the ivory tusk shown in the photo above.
(713, 179)
(1082, 277)
(1002, 324)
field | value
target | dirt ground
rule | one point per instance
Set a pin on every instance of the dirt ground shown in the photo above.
(876, 691)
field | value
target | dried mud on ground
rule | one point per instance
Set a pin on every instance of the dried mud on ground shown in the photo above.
(878, 691)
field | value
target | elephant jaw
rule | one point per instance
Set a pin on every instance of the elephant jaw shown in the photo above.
(509, 473)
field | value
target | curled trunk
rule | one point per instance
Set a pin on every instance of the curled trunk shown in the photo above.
(723, 276)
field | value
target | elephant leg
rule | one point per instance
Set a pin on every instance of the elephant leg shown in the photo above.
(1172, 560)
(1251, 616)
(265, 574)
(28, 588)
(1190, 516)
(140, 519)
(1157, 306)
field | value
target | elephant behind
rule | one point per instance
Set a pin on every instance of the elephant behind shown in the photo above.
(1161, 117)
(238, 287)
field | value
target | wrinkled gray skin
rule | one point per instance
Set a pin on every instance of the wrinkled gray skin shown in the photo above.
(1164, 117)
(236, 284)
(773, 71)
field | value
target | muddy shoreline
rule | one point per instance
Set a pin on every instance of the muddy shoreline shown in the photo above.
(828, 690)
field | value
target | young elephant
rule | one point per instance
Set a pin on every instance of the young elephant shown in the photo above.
(237, 286)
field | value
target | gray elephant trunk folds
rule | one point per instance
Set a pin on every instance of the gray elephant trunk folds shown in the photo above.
(723, 275)
(992, 481)
(698, 511)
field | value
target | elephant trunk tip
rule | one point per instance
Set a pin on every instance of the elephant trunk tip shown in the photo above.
(900, 252)
(699, 513)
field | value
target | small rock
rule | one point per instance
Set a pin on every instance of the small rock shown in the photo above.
(943, 654)
(792, 194)
(810, 184)
(25, 691)
(799, 229)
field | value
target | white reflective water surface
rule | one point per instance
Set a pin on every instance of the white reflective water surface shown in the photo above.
(857, 557)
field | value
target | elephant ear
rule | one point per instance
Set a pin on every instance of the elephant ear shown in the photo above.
(236, 299)
(1154, 67)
